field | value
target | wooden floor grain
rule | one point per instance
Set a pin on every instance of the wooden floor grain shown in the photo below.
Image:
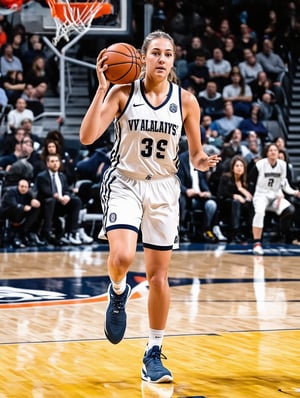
(233, 329)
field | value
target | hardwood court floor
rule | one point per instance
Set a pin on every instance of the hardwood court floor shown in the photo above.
(233, 330)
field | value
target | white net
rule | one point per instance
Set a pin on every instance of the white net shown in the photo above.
(74, 18)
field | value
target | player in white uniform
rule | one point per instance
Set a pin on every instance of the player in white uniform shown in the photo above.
(141, 190)
(271, 184)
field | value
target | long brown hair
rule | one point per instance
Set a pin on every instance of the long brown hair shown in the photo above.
(234, 160)
(158, 34)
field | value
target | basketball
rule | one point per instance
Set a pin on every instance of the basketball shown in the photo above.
(124, 63)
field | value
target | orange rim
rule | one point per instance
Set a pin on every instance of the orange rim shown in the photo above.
(62, 11)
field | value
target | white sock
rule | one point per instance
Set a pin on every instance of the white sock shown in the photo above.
(155, 338)
(119, 287)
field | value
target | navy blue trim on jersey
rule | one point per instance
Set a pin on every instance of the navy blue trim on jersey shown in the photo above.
(122, 226)
(155, 247)
(115, 153)
(164, 102)
(180, 101)
(105, 193)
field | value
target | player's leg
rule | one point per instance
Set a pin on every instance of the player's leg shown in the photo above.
(157, 264)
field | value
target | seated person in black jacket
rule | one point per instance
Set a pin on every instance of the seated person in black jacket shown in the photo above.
(236, 199)
(22, 209)
(57, 200)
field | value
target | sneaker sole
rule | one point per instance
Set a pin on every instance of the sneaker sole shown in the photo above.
(163, 379)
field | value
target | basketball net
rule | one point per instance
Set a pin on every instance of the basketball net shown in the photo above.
(74, 18)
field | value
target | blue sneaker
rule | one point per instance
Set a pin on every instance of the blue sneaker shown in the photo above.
(115, 323)
(153, 370)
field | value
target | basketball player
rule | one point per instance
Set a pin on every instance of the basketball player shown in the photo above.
(141, 190)
(271, 183)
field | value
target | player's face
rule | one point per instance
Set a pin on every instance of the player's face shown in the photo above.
(159, 57)
(273, 152)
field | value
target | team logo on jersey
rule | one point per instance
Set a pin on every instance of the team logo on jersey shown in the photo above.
(173, 108)
(112, 217)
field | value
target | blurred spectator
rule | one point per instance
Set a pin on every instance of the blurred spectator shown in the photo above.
(194, 47)
(19, 46)
(219, 68)
(57, 201)
(53, 147)
(67, 159)
(224, 31)
(15, 116)
(27, 165)
(211, 141)
(8, 61)
(195, 194)
(10, 140)
(180, 64)
(271, 62)
(22, 209)
(231, 52)
(27, 125)
(262, 84)
(35, 50)
(254, 123)
(250, 68)
(267, 109)
(7, 159)
(37, 77)
(234, 140)
(239, 94)
(34, 103)
(198, 72)
(271, 29)
(211, 101)
(246, 39)
(228, 122)
(255, 151)
(236, 199)
(290, 175)
(210, 39)
(280, 142)
(13, 84)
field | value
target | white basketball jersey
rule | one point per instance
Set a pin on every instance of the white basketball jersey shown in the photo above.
(270, 179)
(147, 137)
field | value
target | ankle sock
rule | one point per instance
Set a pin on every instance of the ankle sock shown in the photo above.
(119, 287)
(155, 338)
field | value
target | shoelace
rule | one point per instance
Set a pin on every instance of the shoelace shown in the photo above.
(117, 302)
(157, 355)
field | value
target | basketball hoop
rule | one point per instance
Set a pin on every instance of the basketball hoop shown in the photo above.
(75, 17)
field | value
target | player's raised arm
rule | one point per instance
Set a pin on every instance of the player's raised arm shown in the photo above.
(103, 108)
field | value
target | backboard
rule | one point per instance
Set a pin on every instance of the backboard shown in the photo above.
(37, 19)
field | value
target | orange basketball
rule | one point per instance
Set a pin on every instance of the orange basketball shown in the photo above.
(124, 63)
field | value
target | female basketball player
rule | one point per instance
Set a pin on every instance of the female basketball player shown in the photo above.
(140, 190)
(269, 178)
